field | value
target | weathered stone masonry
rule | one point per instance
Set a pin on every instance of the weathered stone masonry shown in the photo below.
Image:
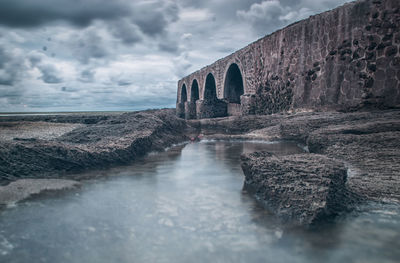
(343, 59)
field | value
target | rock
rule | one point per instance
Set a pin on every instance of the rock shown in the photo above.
(371, 147)
(300, 189)
(117, 139)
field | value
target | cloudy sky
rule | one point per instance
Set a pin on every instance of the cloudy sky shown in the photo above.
(80, 55)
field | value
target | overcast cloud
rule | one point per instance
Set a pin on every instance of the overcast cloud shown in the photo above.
(79, 55)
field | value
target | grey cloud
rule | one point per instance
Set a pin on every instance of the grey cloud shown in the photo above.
(69, 89)
(12, 67)
(28, 13)
(121, 80)
(182, 65)
(225, 49)
(128, 32)
(87, 76)
(3, 58)
(124, 83)
(50, 74)
(89, 44)
(153, 17)
(224, 9)
(151, 24)
(270, 15)
(35, 58)
(168, 44)
(264, 16)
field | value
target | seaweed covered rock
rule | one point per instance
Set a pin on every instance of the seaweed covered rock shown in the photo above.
(300, 189)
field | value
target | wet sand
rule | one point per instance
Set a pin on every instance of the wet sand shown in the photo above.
(25, 188)
(34, 130)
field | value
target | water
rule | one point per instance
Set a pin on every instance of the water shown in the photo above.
(66, 113)
(185, 205)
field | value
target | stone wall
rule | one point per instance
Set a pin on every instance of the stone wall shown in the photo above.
(344, 59)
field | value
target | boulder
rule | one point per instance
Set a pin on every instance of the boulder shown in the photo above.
(300, 189)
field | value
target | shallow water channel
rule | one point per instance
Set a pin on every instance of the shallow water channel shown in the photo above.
(185, 205)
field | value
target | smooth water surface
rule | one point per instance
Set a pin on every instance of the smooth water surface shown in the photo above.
(185, 205)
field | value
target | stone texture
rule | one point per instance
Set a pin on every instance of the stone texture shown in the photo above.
(371, 148)
(190, 110)
(300, 189)
(117, 140)
(180, 110)
(211, 109)
(343, 59)
(366, 141)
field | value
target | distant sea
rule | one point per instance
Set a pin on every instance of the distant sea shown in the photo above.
(62, 113)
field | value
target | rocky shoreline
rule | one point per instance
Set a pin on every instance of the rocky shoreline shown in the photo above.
(87, 142)
(352, 156)
(367, 142)
(302, 189)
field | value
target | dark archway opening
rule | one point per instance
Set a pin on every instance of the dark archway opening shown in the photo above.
(194, 96)
(183, 94)
(210, 90)
(194, 92)
(233, 87)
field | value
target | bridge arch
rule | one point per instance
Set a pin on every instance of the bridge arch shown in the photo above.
(233, 88)
(233, 84)
(210, 88)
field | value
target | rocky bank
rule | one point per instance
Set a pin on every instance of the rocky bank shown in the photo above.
(57, 146)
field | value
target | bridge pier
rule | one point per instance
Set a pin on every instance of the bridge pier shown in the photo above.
(211, 109)
(180, 109)
(234, 109)
(190, 110)
(248, 104)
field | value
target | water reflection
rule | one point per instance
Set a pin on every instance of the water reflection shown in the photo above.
(184, 205)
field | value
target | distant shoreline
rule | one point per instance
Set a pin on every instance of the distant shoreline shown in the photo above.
(61, 113)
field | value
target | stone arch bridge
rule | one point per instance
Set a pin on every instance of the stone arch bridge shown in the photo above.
(344, 59)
